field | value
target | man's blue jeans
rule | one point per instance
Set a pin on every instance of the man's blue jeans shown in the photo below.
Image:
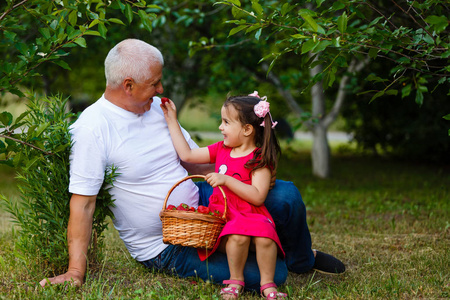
(286, 206)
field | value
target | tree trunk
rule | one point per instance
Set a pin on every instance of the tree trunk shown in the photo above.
(320, 155)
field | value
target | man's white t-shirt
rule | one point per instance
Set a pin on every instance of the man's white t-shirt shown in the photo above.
(141, 149)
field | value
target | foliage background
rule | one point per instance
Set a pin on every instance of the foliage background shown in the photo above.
(38, 36)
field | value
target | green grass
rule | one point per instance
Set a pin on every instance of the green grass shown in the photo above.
(389, 221)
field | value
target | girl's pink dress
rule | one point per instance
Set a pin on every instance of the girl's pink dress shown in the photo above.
(242, 217)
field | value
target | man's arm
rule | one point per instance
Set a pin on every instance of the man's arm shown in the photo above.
(79, 232)
(198, 169)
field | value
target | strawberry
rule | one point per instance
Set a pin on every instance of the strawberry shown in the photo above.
(183, 206)
(203, 209)
(171, 207)
(164, 100)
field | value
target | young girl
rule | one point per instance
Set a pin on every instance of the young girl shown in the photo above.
(244, 162)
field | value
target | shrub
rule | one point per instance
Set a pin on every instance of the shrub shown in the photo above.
(38, 145)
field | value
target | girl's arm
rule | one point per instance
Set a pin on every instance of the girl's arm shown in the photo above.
(255, 193)
(186, 154)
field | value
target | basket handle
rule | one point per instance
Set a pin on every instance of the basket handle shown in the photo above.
(196, 176)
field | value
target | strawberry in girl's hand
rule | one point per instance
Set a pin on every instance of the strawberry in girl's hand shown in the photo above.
(164, 100)
(171, 207)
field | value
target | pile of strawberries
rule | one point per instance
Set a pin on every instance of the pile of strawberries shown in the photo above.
(201, 209)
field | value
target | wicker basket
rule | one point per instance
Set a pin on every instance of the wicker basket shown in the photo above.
(188, 228)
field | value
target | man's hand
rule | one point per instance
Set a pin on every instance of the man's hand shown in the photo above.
(79, 232)
(74, 278)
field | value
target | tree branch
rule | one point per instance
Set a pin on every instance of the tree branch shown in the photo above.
(414, 19)
(340, 97)
(24, 143)
(285, 93)
(12, 8)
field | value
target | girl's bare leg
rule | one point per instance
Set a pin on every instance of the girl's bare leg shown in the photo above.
(236, 247)
(266, 256)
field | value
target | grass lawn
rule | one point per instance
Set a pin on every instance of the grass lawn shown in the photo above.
(389, 221)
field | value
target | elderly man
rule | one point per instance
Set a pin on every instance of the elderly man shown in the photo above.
(126, 128)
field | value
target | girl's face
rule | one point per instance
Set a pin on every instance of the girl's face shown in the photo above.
(231, 127)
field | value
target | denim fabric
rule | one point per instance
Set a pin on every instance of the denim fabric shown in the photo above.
(184, 262)
(285, 204)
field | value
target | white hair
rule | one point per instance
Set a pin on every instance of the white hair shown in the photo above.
(131, 58)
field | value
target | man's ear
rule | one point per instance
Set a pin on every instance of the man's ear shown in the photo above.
(248, 129)
(128, 85)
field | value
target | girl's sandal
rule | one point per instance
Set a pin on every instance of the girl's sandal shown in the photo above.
(272, 295)
(231, 290)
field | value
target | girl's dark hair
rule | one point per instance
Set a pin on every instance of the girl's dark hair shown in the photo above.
(268, 147)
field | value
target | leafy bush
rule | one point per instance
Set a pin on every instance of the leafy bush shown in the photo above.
(38, 145)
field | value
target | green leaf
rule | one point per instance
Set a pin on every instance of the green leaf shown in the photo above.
(306, 14)
(377, 95)
(406, 91)
(92, 32)
(235, 2)
(419, 97)
(258, 34)
(439, 22)
(62, 64)
(17, 159)
(73, 17)
(322, 46)
(102, 30)
(237, 29)
(447, 117)
(392, 92)
(309, 45)
(45, 32)
(41, 128)
(31, 162)
(145, 19)
(253, 27)
(342, 22)
(372, 77)
(299, 36)
(257, 7)
(117, 21)
(285, 9)
(81, 42)
(237, 13)
(373, 52)
(6, 118)
(21, 117)
(128, 13)
(319, 2)
(94, 22)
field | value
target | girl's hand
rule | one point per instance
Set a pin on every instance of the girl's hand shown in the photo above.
(169, 109)
(216, 179)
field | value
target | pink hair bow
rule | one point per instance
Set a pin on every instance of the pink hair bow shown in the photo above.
(261, 109)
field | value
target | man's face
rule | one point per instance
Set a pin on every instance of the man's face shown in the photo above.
(143, 93)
